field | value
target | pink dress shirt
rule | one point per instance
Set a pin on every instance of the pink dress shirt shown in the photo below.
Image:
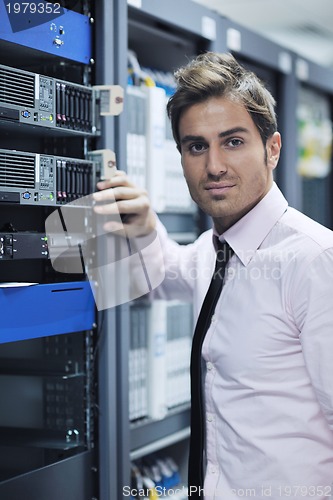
(268, 354)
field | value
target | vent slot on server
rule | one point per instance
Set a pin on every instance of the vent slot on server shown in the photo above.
(17, 170)
(17, 88)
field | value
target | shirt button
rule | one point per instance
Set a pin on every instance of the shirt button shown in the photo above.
(210, 366)
(213, 318)
(212, 469)
(210, 417)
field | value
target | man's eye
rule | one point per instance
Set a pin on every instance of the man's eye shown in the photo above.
(234, 143)
(196, 148)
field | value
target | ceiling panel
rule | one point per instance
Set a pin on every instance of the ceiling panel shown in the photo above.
(305, 26)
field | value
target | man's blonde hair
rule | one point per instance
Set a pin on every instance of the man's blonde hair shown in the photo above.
(220, 75)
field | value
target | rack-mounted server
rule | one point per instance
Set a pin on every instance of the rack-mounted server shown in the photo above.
(23, 245)
(38, 179)
(48, 103)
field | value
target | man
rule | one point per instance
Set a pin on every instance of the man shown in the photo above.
(268, 352)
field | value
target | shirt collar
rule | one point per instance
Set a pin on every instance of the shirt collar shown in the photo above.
(247, 234)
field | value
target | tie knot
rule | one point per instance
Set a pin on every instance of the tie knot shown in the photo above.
(223, 252)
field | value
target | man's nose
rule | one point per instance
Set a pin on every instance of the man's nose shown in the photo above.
(216, 163)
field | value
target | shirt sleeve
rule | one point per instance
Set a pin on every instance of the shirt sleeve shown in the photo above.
(177, 262)
(313, 309)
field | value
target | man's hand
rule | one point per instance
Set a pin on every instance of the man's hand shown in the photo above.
(119, 195)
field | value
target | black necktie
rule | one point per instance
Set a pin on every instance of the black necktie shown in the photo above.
(195, 469)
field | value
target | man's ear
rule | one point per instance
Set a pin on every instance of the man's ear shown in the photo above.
(273, 148)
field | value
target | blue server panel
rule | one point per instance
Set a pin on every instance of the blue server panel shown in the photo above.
(44, 310)
(48, 27)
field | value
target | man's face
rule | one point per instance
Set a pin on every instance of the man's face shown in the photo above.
(224, 160)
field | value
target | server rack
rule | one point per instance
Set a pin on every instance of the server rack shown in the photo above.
(48, 437)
